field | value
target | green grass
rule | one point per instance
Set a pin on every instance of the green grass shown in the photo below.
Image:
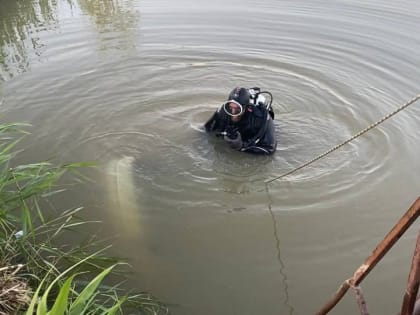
(38, 273)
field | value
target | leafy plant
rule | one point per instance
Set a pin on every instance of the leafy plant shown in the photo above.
(83, 304)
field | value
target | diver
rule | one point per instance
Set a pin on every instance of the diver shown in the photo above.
(245, 121)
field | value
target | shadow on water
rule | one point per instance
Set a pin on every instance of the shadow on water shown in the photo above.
(19, 38)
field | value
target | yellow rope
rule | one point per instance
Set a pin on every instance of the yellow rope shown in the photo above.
(347, 141)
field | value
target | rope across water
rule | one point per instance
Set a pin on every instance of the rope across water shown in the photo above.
(347, 141)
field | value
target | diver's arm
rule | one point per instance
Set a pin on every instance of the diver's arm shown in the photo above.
(210, 125)
(218, 122)
(234, 140)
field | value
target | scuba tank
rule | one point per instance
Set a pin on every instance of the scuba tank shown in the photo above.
(258, 98)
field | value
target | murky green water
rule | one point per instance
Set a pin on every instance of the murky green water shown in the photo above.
(129, 84)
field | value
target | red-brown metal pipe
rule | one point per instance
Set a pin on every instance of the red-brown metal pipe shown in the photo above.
(384, 246)
(413, 282)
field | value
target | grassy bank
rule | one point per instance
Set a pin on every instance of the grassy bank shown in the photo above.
(38, 273)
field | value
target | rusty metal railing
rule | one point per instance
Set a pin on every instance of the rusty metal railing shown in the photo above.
(384, 246)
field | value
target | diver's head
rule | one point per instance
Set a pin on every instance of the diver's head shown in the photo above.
(237, 102)
(240, 95)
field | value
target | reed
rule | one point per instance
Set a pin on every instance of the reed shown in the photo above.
(38, 273)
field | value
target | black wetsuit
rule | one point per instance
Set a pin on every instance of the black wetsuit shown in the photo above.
(256, 128)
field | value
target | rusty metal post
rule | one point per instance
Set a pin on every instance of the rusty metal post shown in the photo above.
(413, 282)
(384, 246)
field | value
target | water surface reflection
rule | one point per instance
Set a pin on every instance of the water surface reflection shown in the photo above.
(26, 26)
(21, 22)
(116, 22)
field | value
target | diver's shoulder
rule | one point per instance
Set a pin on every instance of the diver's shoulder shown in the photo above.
(257, 111)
